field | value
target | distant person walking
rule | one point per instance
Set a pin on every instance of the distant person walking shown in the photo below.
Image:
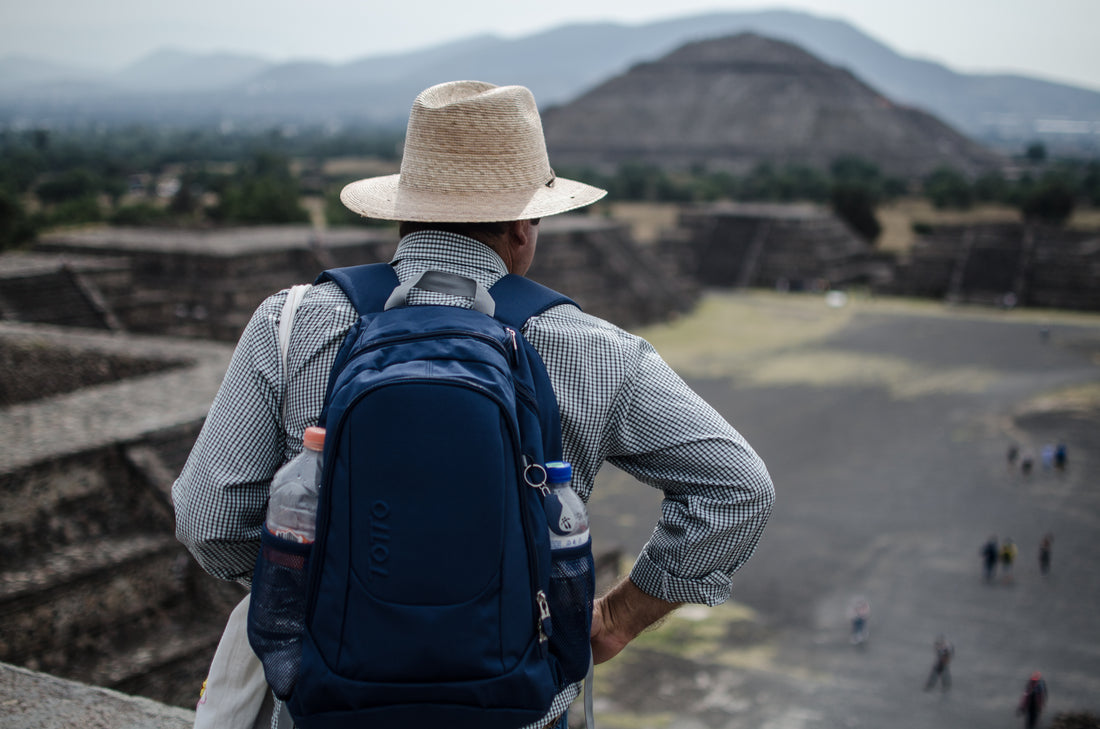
(1046, 544)
(941, 667)
(1060, 457)
(1047, 456)
(861, 616)
(990, 554)
(1033, 700)
(1025, 465)
(1013, 453)
(1008, 558)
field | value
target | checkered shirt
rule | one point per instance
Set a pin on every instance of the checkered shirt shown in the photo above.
(619, 402)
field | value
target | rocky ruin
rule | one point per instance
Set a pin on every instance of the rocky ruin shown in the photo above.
(1003, 264)
(791, 247)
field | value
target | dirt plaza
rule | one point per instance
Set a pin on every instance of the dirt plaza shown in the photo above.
(885, 425)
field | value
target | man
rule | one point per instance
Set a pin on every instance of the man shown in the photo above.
(474, 182)
(989, 558)
(1033, 700)
(941, 668)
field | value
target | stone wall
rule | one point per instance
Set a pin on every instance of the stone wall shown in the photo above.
(206, 284)
(93, 584)
(1003, 263)
(597, 263)
(767, 245)
(32, 700)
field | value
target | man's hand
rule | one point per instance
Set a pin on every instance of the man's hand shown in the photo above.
(620, 615)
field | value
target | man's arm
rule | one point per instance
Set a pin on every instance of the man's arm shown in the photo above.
(620, 615)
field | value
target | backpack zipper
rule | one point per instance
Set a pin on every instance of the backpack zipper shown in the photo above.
(437, 334)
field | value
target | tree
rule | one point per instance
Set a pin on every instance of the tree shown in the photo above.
(852, 168)
(1090, 183)
(854, 203)
(15, 227)
(263, 191)
(948, 188)
(70, 185)
(991, 187)
(1051, 200)
(1036, 153)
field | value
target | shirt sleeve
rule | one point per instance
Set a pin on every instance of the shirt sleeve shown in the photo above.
(221, 495)
(718, 494)
(621, 402)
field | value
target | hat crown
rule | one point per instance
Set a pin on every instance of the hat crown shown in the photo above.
(471, 136)
(474, 152)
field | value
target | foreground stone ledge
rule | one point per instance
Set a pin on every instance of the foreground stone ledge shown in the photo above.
(30, 700)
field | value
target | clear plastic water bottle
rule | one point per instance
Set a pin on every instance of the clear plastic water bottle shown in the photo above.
(572, 575)
(565, 512)
(292, 506)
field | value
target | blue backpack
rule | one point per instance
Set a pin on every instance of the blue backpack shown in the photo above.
(432, 596)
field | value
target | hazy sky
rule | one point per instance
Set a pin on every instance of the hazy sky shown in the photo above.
(1052, 39)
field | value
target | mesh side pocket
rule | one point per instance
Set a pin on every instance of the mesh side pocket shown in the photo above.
(572, 585)
(277, 609)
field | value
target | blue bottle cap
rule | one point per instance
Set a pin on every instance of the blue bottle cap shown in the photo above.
(559, 472)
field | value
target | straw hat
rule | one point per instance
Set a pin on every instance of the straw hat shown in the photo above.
(474, 153)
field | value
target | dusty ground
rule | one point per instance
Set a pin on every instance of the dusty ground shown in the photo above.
(885, 426)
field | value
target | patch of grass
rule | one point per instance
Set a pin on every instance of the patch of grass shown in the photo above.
(728, 329)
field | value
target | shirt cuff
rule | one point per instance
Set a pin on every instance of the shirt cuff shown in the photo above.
(711, 589)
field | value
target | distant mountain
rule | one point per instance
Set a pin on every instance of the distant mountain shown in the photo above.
(179, 71)
(558, 65)
(18, 73)
(736, 102)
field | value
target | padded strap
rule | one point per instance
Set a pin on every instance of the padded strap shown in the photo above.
(518, 299)
(367, 286)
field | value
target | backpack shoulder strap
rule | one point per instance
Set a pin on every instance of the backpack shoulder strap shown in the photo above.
(518, 299)
(367, 286)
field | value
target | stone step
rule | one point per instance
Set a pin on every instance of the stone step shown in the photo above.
(136, 614)
(77, 563)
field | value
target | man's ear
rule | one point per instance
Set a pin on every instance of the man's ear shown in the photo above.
(519, 233)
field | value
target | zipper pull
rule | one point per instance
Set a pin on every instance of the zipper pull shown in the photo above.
(515, 345)
(535, 475)
(544, 616)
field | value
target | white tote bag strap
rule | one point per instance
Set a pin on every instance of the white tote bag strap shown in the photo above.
(286, 322)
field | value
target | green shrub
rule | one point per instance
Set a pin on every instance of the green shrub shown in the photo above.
(139, 214)
(1051, 200)
(948, 188)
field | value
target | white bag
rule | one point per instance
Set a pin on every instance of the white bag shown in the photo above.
(235, 694)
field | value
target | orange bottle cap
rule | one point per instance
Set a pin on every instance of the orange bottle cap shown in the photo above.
(314, 439)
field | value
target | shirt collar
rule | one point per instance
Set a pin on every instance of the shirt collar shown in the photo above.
(450, 249)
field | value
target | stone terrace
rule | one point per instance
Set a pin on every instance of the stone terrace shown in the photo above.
(765, 245)
(93, 584)
(1039, 265)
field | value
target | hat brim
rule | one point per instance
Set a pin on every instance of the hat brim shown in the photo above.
(385, 198)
